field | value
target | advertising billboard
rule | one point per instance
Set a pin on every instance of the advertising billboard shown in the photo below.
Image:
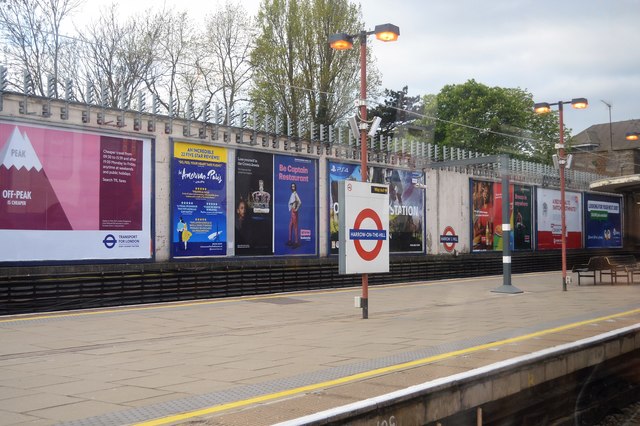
(199, 200)
(406, 208)
(71, 195)
(486, 214)
(603, 221)
(548, 212)
(295, 206)
(254, 203)
(522, 217)
(406, 205)
(338, 172)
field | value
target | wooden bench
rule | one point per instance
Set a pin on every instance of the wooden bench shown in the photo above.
(623, 265)
(588, 270)
(631, 271)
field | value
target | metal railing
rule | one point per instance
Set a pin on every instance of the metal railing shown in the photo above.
(278, 133)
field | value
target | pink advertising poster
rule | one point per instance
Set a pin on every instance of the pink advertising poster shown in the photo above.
(68, 195)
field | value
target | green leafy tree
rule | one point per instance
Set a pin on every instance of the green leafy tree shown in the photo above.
(494, 120)
(545, 134)
(429, 110)
(296, 73)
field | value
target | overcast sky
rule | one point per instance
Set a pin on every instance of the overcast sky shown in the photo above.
(555, 49)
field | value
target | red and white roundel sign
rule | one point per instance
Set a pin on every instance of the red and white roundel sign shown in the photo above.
(380, 236)
(449, 239)
(364, 224)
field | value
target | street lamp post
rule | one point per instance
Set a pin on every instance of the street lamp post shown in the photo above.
(343, 41)
(541, 108)
(610, 127)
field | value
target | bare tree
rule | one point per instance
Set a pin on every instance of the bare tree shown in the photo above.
(226, 65)
(33, 38)
(118, 56)
(156, 50)
(174, 76)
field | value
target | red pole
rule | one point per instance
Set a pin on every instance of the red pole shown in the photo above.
(363, 149)
(363, 105)
(562, 164)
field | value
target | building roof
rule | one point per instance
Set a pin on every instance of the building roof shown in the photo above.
(628, 183)
(607, 136)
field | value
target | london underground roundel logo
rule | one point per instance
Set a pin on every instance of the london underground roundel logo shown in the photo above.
(449, 238)
(109, 241)
(358, 234)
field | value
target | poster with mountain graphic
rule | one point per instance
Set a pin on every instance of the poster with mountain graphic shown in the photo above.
(30, 201)
(69, 195)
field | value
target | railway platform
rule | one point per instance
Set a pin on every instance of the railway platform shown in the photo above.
(295, 358)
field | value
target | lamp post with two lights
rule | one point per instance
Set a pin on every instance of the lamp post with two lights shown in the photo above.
(343, 41)
(542, 108)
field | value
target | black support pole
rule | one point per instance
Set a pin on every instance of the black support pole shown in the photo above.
(506, 286)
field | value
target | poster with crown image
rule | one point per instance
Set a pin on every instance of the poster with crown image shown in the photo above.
(254, 203)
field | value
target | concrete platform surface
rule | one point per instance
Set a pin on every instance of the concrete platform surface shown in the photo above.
(261, 360)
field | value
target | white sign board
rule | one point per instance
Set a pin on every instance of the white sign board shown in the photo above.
(549, 217)
(364, 227)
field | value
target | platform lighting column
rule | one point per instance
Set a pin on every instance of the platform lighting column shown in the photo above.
(542, 108)
(343, 41)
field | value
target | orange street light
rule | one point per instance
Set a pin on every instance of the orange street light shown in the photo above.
(632, 136)
(341, 41)
(387, 32)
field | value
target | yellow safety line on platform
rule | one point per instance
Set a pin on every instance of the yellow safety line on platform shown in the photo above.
(169, 305)
(371, 373)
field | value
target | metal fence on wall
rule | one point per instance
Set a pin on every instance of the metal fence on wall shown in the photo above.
(247, 127)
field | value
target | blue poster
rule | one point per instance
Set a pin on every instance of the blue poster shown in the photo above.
(406, 205)
(338, 172)
(295, 206)
(406, 210)
(199, 203)
(603, 221)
